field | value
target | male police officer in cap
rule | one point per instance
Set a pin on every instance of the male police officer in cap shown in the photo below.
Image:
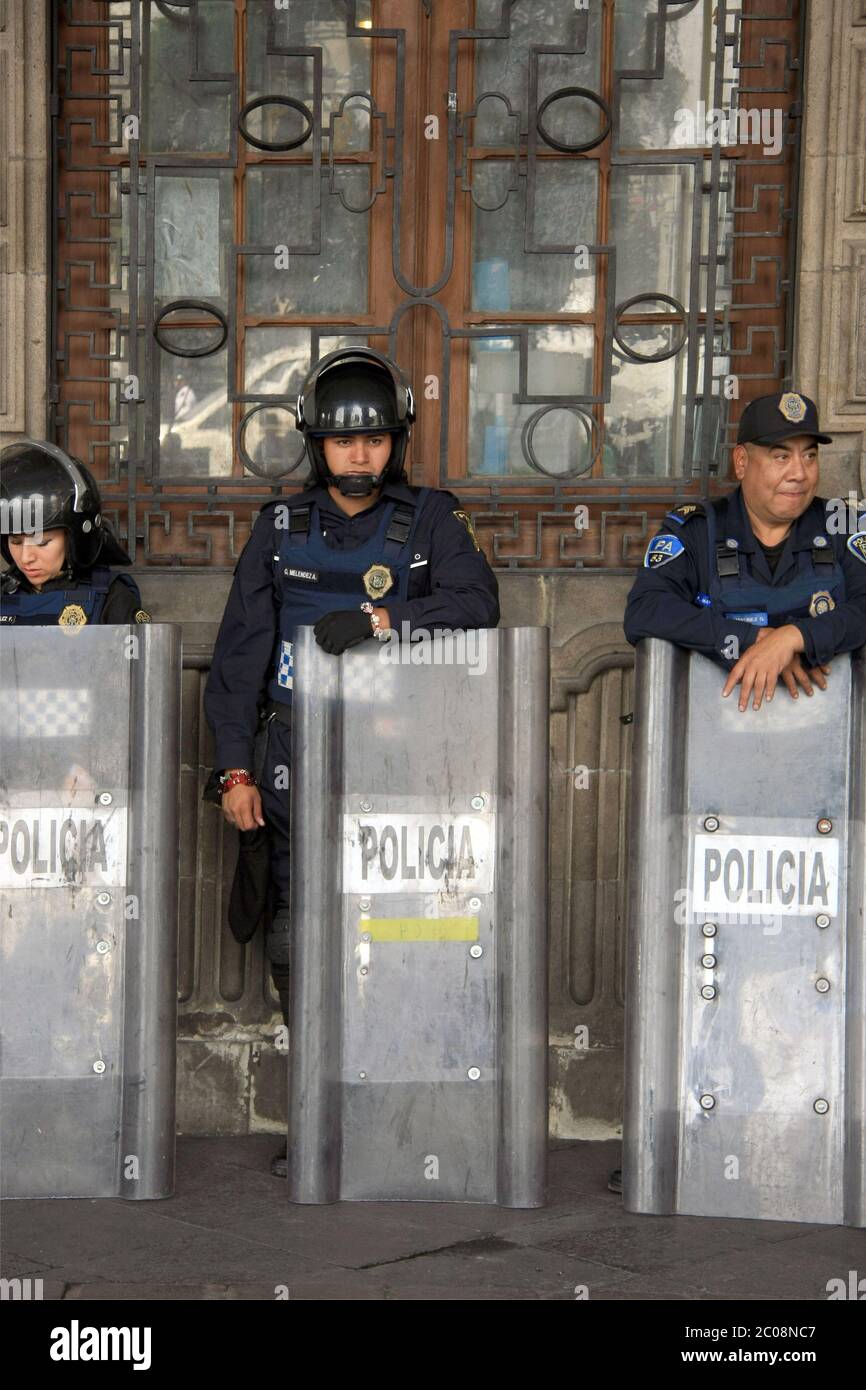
(770, 582)
(58, 544)
(360, 552)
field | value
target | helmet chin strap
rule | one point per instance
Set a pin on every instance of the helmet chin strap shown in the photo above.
(355, 484)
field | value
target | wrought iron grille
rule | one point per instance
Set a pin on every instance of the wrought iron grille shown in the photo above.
(526, 201)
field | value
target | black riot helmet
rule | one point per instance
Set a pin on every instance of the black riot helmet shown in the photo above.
(42, 485)
(356, 391)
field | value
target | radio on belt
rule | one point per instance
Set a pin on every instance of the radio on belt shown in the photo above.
(745, 1062)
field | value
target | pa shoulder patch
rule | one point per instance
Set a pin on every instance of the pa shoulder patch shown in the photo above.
(661, 549)
(687, 512)
(857, 545)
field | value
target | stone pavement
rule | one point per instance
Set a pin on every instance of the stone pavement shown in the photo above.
(230, 1234)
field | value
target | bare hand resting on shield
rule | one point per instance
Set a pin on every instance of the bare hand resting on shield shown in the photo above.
(774, 656)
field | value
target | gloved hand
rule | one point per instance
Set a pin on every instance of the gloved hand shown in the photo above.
(346, 628)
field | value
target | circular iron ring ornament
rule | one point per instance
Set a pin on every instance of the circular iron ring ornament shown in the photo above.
(170, 7)
(257, 468)
(650, 297)
(275, 145)
(562, 145)
(206, 308)
(589, 425)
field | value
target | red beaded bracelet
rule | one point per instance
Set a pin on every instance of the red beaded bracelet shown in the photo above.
(236, 779)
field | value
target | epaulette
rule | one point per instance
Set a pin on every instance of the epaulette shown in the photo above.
(687, 512)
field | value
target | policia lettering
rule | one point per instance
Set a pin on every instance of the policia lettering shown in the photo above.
(761, 873)
(42, 481)
(431, 851)
(69, 847)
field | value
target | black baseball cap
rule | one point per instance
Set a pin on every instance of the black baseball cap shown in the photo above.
(771, 419)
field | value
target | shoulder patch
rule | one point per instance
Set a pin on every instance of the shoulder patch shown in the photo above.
(857, 545)
(687, 512)
(661, 549)
(142, 616)
(467, 522)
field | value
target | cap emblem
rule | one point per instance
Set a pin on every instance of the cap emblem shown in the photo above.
(793, 407)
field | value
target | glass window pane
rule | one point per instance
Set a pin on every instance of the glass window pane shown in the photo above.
(651, 227)
(501, 65)
(280, 213)
(184, 114)
(194, 413)
(505, 276)
(318, 24)
(275, 360)
(645, 419)
(193, 237)
(559, 362)
(648, 106)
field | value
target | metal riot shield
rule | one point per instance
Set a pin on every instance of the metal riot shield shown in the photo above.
(746, 1048)
(419, 889)
(89, 743)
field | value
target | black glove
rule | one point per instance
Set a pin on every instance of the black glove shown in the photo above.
(338, 631)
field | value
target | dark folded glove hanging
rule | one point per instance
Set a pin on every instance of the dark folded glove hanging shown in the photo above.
(249, 901)
(338, 631)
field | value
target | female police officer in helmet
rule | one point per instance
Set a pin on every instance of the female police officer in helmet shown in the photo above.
(361, 552)
(58, 544)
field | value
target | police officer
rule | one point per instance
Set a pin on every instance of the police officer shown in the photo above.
(59, 573)
(770, 581)
(359, 553)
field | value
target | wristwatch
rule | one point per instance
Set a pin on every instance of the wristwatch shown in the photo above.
(382, 634)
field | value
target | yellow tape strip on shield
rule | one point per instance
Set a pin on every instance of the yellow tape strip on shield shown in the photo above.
(420, 928)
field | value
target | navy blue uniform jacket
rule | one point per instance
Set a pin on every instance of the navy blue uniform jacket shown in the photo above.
(455, 589)
(664, 601)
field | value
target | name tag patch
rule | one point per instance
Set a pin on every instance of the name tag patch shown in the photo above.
(311, 576)
(757, 619)
(662, 549)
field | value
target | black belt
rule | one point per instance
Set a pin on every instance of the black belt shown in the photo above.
(277, 710)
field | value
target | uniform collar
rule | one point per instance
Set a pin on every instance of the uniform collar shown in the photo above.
(801, 536)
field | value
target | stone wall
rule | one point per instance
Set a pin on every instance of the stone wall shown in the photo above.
(24, 218)
(830, 342)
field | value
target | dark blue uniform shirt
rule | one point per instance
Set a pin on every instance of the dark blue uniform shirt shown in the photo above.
(672, 599)
(456, 588)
